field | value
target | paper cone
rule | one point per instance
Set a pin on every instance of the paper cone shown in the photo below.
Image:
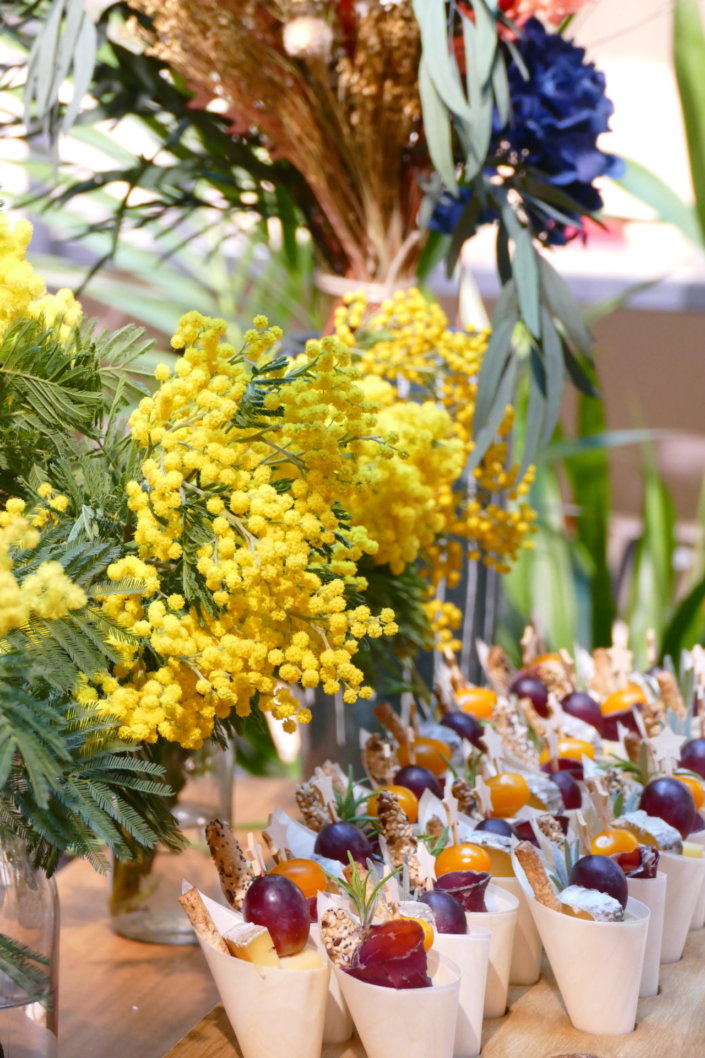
(500, 919)
(413, 1022)
(337, 1024)
(272, 1011)
(652, 893)
(597, 965)
(470, 952)
(698, 919)
(686, 877)
(525, 968)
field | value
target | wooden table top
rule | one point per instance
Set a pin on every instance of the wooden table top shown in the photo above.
(118, 996)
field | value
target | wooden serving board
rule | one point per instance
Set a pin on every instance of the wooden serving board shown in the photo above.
(672, 1023)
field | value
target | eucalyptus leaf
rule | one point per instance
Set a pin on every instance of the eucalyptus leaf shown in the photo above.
(504, 320)
(437, 128)
(485, 434)
(669, 208)
(689, 63)
(553, 358)
(561, 303)
(440, 62)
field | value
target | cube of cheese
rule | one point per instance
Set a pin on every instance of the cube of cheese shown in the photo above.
(252, 943)
(691, 848)
(308, 959)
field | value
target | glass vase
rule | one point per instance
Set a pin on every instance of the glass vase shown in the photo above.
(144, 892)
(29, 955)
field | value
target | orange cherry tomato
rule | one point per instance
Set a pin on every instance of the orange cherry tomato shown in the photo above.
(307, 874)
(607, 842)
(406, 798)
(430, 753)
(480, 701)
(695, 787)
(620, 701)
(427, 928)
(508, 792)
(570, 749)
(465, 857)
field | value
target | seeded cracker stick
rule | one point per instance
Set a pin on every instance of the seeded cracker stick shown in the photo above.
(233, 868)
(201, 921)
(536, 875)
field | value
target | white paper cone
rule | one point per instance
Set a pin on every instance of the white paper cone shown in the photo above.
(337, 1024)
(652, 893)
(413, 1022)
(470, 952)
(272, 1011)
(500, 919)
(597, 965)
(525, 967)
(698, 919)
(686, 877)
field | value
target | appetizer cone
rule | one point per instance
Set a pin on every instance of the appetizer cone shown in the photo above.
(470, 952)
(686, 877)
(652, 893)
(525, 967)
(500, 919)
(597, 965)
(338, 1025)
(415, 1022)
(253, 994)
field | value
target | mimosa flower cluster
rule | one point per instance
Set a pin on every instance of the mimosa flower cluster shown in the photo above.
(446, 518)
(243, 544)
(28, 589)
(22, 291)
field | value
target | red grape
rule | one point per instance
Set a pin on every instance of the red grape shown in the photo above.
(601, 873)
(525, 686)
(467, 887)
(277, 903)
(671, 801)
(337, 839)
(698, 825)
(448, 915)
(465, 725)
(497, 826)
(626, 719)
(641, 862)
(564, 764)
(418, 779)
(570, 791)
(693, 756)
(585, 708)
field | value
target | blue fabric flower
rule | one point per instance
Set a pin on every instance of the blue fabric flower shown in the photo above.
(557, 115)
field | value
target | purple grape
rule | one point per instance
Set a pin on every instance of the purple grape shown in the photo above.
(570, 791)
(601, 873)
(467, 887)
(625, 718)
(337, 839)
(418, 779)
(448, 915)
(526, 686)
(277, 903)
(497, 826)
(585, 708)
(671, 801)
(693, 756)
(698, 824)
(573, 767)
(465, 725)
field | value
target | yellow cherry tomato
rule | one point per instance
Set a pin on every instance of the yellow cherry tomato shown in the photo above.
(695, 787)
(608, 842)
(508, 792)
(479, 701)
(427, 930)
(570, 749)
(465, 857)
(307, 874)
(406, 798)
(620, 701)
(429, 753)
(542, 659)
